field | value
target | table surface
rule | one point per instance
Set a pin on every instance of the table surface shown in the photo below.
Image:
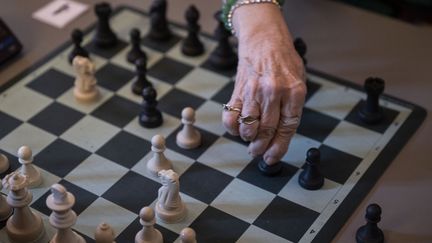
(343, 41)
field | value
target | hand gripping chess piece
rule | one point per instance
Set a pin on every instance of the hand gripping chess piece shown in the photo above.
(23, 226)
(25, 157)
(158, 161)
(169, 206)
(104, 234)
(148, 234)
(85, 89)
(63, 217)
(189, 137)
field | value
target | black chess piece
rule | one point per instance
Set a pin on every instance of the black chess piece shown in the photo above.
(301, 48)
(150, 116)
(270, 170)
(141, 72)
(370, 233)
(310, 178)
(159, 29)
(223, 57)
(192, 46)
(136, 52)
(78, 50)
(371, 112)
(104, 37)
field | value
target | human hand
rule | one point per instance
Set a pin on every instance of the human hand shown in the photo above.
(270, 82)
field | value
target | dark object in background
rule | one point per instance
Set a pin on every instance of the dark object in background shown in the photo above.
(9, 44)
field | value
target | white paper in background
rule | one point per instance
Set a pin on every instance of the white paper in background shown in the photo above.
(60, 12)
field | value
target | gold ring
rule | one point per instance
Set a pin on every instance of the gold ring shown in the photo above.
(227, 107)
(248, 120)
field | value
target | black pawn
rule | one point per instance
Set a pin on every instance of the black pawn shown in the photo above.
(270, 170)
(159, 29)
(104, 37)
(371, 112)
(150, 116)
(223, 57)
(310, 178)
(141, 72)
(135, 53)
(301, 48)
(370, 233)
(192, 46)
(78, 50)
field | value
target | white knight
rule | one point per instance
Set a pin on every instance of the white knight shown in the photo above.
(85, 83)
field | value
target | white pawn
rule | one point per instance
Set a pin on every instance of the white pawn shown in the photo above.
(189, 137)
(85, 89)
(169, 206)
(63, 217)
(4, 163)
(148, 234)
(158, 162)
(5, 209)
(187, 235)
(25, 157)
(104, 234)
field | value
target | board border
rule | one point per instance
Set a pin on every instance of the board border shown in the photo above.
(366, 182)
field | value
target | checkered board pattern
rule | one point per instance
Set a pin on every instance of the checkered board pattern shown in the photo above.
(99, 151)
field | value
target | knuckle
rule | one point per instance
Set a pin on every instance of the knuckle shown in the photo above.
(247, 133)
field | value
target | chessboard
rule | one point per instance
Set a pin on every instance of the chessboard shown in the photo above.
(99, 151)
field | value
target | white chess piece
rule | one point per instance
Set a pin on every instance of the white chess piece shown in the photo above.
(63, 217)
(24, 225)
(25, 157)
(187, 235)
(189, 137)
(148, 234)
(169, 206)
(85, 89)
(4, 163)
(5, 209)
(158, 161)
(104, 233)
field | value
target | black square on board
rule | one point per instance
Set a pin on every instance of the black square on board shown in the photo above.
(337, 165)
(207, 139)
(236, 139)
(60, 157)
(161, 46)
(316, 125)
(117, 111)
(203, 183)
(381, 127)
(214, 225)
(224, 95)
(169, 70)
(226, 72)
(113, 77)
(133, 191)
(125, 149)
(312, 88)
(176, 100)
(286, 219)
(106, 52)
(56, 118)
(8, 124)
(52, 83)
(83, 198)
(274, 184)
(128, 234)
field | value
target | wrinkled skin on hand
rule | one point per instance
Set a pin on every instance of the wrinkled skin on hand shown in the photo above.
(270, 82)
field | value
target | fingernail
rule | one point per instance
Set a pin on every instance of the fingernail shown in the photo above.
(271, 160)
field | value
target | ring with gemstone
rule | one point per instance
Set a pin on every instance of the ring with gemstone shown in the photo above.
(248, 120)
(227, 107)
